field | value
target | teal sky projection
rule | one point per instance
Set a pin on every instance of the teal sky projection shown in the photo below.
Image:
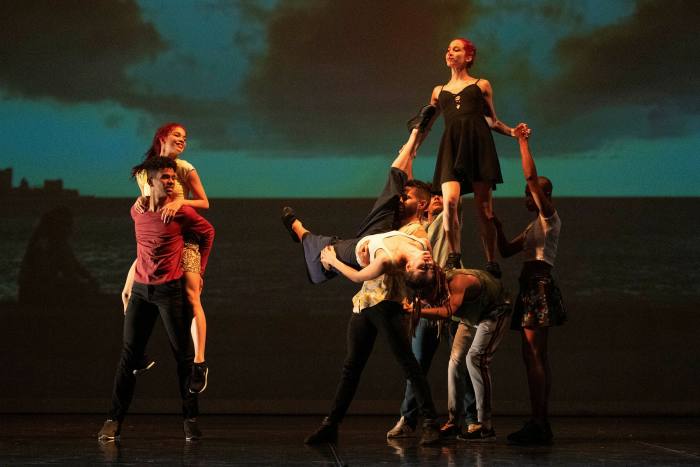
(306, 98)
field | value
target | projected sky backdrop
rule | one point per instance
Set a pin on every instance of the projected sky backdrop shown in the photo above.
(310, 98)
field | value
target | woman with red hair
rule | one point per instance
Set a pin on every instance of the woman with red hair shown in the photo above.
(467, 161)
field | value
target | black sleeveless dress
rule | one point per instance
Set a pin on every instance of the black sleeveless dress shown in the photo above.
(467, 152)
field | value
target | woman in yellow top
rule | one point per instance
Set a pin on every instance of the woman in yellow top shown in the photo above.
(170, 140)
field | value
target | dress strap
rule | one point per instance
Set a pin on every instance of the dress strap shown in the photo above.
(478, 79)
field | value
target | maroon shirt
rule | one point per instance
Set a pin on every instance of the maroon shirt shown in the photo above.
(159, 245)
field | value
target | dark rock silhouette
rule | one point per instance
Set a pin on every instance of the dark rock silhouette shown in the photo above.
(50, 272)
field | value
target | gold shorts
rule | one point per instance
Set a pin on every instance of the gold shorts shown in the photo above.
(191, 259)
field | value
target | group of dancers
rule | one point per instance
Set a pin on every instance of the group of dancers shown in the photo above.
(406, 254)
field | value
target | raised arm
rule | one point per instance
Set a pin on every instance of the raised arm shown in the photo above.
(375, 268)
(542, 201)
(494, 122)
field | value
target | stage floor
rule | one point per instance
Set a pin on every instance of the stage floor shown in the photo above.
(278, 440)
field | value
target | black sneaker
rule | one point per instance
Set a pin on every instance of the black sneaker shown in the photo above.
(192, 431)
(449, 430)
(144, 365)
(431, 433)
(454, 261)
(480, 434)
(530, 434)
(326, 433)
(110, 430)
(288, 218)
(198, 378)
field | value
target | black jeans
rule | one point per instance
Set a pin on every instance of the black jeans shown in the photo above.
(388, 318)
(147, 302)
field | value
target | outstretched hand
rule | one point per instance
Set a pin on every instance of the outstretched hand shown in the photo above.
(328, 256)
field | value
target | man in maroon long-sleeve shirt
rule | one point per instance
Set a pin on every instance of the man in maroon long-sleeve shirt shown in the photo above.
(158, 291)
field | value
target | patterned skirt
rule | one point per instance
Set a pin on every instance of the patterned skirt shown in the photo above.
(539, 302)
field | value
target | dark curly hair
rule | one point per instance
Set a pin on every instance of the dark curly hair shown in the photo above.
(432, 290)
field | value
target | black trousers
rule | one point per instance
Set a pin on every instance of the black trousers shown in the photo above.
(147, 302)
(386, 317)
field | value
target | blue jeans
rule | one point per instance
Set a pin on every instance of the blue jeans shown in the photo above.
(477, 359)
(424, 345)
(382, 218)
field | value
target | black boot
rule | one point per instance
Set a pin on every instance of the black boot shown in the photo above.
(454, 261)
(494, 269)
(326, 433)
(421, 120)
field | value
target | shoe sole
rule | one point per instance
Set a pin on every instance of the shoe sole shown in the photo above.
(141, 371)
(477, 440)
(401, 436)
(107, 438)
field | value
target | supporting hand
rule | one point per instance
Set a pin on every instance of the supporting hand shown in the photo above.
(141, 204)
(169, 210)
(328, 256)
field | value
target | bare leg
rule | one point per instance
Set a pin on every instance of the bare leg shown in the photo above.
(299, 229)
(128, 284)
(484, 211)
(404, 159)
(193, 288)
(452, 222)
(534, 343)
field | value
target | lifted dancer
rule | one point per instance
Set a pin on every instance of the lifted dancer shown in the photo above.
(170, 141)
(158, 290)
(400, 205)
(467, 161)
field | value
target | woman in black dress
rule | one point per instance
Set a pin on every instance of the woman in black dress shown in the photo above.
(467, 161)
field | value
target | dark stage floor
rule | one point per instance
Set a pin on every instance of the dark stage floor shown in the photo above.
(277, 440)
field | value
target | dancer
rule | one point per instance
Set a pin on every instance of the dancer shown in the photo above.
(170, 141)
(476, 298)
(377, 306)
(400, 205)
(467, 161)
(157, 290)
(539, 304)
(427, 338)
